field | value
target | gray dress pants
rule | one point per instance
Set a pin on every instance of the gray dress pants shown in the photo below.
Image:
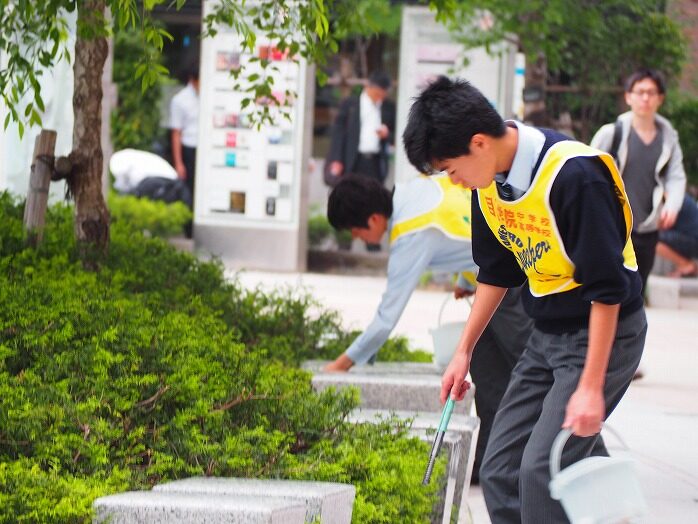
(515, 471)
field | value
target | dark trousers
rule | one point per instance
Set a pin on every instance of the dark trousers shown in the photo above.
(493, 360)
(189, 159)
(645, 245)
(368, 165)
(515, 471)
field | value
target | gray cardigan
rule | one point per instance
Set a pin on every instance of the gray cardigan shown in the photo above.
(670, 188)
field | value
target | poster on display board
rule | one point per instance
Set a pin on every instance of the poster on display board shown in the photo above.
(247, 177)
(427, 50)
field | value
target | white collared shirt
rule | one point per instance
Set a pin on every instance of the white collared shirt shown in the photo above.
(531, 142)
(370, 115)
(184, 115)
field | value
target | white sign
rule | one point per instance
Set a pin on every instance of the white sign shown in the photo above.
(427, 51)
(247, 177)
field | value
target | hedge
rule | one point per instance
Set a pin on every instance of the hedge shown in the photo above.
(155, 368)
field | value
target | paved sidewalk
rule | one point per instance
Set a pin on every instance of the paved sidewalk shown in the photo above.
(658, 417)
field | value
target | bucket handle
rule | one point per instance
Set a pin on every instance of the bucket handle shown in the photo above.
(561, 440)
(449, 296)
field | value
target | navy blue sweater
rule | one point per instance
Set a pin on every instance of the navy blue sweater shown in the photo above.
(592, 227)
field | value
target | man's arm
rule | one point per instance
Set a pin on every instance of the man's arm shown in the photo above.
(176, 125)
(586, 408)
(388, 120)
(338, 139)
(487, 299)
(177, 154)
(674, 186)
(409, 257)
(593, 231)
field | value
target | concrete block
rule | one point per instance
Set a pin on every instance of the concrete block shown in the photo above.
(381, 368)
(663, 292)
(460, 442)
(325, 502)
(688, 287)
(395, 391)
(661, 266)
(150, 507)
(452, 446)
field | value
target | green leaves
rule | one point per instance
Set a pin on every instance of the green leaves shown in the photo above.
(588, 47)
(31, 40)
(683, 114)
(156, 368)
(151, 217)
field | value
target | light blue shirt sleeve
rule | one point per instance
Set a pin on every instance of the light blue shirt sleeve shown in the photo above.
(409, 257)
(462, 283)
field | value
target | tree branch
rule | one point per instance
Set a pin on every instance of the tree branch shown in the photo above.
(244, 397)
(160, 392)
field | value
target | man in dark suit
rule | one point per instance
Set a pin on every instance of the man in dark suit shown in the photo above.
(362, 132)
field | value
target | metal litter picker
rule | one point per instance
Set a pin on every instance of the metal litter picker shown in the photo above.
(439, 438)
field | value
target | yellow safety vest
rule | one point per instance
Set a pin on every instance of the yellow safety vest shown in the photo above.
(451, 216)
(528, 229)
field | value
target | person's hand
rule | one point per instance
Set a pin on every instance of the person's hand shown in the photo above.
(383, 132)
(453, 382)
(667, 219)
(181, 170)
(461, 292)
(340, 365)
(336, 168)
(585, 412)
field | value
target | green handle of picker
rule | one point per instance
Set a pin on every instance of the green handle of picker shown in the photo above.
(446, 414)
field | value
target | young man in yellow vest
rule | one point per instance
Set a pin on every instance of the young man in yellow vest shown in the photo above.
(550, 212)
(428, 220)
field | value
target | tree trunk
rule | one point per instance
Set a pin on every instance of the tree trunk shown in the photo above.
(91, 213)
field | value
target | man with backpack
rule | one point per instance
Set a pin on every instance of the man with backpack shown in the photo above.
(647, 151)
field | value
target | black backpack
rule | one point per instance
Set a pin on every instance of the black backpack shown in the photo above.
(165, 189)
(617, 135)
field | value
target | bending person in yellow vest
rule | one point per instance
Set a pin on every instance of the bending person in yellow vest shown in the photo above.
(552, 213)
(428, 221)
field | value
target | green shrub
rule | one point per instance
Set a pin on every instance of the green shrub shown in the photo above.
(29, 493)
(142, 214)
(155, 368)
(319, 229)
(397, 349)
(389, 468)
(683, 113)
(135, 122)
(343, 238)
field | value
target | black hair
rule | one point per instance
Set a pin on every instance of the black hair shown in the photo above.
(355, 199)
(379, 79)
(192, 73)
(641, 74)
(443, 120)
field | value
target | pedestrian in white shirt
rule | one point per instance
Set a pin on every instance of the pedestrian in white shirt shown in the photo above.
(184, 125)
